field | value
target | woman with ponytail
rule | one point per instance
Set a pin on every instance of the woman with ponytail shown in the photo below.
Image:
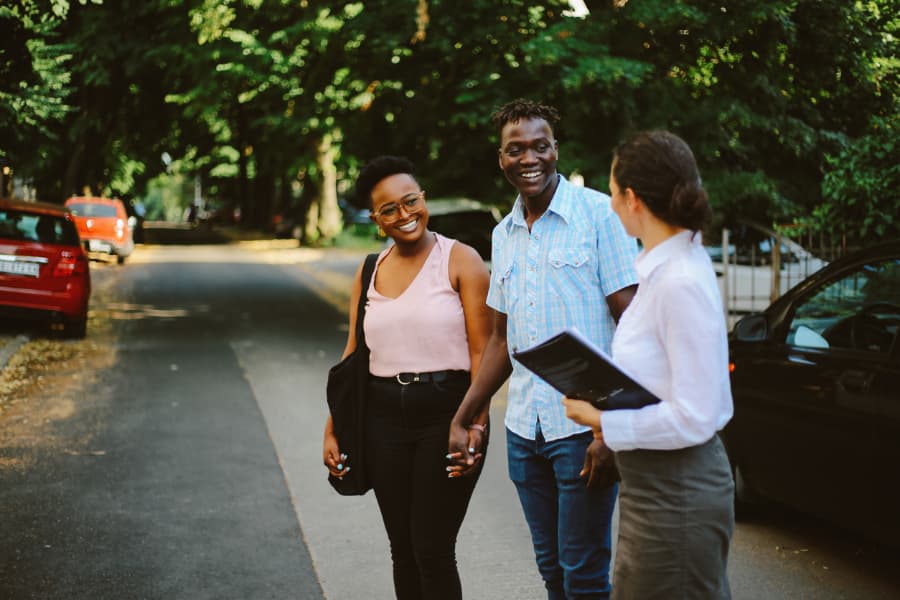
(676, 508)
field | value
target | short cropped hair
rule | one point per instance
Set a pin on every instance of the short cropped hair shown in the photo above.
(519, 109)
(377, 169)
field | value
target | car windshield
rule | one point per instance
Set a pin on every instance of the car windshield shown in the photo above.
(92, 209)
(26, 226)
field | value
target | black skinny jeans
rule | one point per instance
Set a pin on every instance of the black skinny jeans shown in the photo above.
(422, 508)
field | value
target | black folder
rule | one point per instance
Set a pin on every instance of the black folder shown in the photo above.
(579, 369)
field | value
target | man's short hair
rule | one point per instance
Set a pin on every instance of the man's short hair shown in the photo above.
(520, 108)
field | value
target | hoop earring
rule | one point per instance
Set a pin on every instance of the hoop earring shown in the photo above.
(381, 232)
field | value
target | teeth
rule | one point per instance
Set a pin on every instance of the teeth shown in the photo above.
(531, 175)
(411, 226)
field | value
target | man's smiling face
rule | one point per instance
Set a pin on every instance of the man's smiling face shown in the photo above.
(528, 157)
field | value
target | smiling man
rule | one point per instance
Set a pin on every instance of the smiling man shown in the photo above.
(560, 259)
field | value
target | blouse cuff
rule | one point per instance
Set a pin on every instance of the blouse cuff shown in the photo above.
(618, 429)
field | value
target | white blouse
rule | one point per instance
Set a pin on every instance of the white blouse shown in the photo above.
(672, 339)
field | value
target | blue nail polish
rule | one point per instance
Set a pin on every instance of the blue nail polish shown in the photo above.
(448, 457)
(471, 450)
(340, 466)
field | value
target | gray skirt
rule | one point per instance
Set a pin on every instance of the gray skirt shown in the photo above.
(676, 517)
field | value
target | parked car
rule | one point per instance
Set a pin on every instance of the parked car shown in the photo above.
(469, 221)
(751, 277)
(44, 272)
(815, 379)
(103, 225)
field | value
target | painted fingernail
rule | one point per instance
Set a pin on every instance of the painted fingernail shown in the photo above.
(471, 450)
(449, 469)
(340, 466)
(343, 456)
(448, 457)
(348, 470)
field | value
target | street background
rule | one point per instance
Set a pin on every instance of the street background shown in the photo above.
(177, 454)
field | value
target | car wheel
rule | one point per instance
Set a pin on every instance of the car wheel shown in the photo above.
(746, 499)
(76, 328)
(120, 259)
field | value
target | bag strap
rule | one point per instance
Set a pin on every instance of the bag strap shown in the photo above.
(368, 270)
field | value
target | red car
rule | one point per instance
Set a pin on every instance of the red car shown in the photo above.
(44, 271)
(103, 226)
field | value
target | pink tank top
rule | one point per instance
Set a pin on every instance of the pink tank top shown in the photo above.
(424, 328)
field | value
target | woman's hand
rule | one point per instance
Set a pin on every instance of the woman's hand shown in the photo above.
(582, 412)
(465, 449)
(331, 455)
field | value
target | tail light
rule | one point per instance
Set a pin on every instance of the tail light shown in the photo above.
(70, 264)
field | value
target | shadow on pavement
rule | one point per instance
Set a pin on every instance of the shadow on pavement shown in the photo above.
(182, 233)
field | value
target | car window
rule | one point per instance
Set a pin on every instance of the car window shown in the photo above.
(470, 227)
(91, 209)
(48, 229)
(860, 311)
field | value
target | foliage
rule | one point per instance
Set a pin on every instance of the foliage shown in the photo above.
(862, 186)
(274, 104)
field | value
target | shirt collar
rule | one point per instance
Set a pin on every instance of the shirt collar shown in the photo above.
(648, 260)
(561, 203)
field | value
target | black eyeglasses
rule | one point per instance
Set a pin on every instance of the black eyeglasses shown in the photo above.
(411, 203)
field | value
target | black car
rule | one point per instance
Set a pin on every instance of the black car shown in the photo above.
(816, 385)
(464, 219)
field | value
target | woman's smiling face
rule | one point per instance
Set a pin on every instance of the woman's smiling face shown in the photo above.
(398, 207)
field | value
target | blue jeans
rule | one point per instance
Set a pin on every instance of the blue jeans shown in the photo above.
(570, 524)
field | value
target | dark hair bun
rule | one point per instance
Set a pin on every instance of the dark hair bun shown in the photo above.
(689, 207)
(660, 167)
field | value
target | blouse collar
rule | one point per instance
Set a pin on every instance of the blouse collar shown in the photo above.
(648, 260)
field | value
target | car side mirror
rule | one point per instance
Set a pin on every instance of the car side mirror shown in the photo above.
(752, 328)
(132, 221)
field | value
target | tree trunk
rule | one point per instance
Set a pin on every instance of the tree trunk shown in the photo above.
(329, 212)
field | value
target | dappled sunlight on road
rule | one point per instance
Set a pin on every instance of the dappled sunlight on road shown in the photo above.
(125, 311)
(257, 251)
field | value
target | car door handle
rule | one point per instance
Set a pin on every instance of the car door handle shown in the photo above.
(855, 381)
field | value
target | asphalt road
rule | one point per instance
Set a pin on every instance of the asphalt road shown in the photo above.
(203, 479)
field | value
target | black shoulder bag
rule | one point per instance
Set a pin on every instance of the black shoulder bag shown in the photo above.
(346, 394)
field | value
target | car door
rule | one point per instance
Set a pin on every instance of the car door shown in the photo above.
(823, 410)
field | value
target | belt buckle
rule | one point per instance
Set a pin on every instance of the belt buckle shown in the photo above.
(415, 378)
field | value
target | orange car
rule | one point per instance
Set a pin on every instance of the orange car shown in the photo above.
(44, 271)
(103, 226)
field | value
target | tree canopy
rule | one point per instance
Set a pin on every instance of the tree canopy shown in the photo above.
(790, 105)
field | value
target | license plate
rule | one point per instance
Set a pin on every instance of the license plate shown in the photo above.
(28, 269)
(98, 246)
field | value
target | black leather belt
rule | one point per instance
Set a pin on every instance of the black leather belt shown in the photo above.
(427, 377)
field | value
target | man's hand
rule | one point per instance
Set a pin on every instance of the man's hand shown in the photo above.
(600, 465)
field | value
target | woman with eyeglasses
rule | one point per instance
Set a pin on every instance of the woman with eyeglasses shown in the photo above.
(426, 325)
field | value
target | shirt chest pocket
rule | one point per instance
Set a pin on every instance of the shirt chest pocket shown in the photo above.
(572, 271)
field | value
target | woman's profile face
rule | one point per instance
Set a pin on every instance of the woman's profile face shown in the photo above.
(398, 207)
(620, 205)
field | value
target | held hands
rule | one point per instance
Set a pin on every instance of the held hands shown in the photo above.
(331, 455)
(465, 450)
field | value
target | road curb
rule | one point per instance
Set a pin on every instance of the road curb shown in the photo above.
(11, 348)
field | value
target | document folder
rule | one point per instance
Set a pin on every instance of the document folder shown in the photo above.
(579, 369)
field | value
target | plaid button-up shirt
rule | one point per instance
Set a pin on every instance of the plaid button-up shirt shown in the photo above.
(554, 277)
